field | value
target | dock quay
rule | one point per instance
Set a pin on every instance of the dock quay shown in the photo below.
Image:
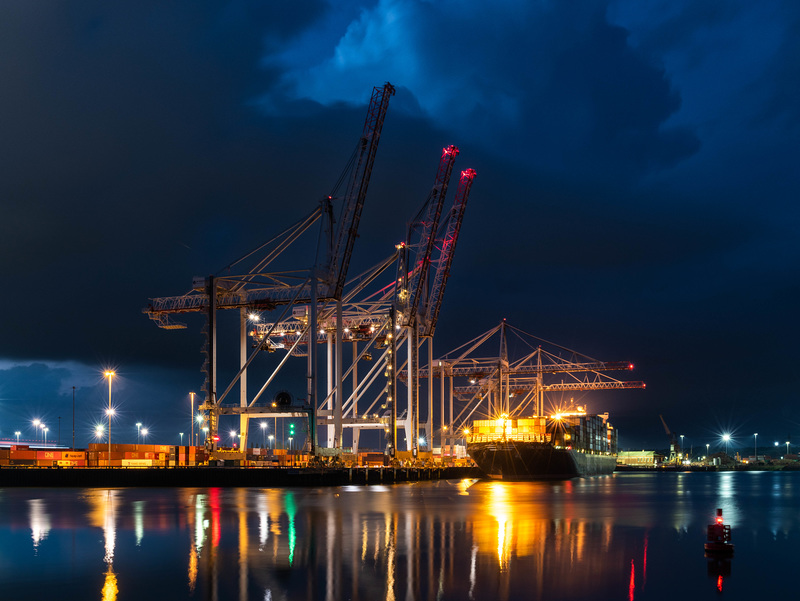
(182, 477)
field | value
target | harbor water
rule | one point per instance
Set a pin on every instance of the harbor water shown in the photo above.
(629, 536)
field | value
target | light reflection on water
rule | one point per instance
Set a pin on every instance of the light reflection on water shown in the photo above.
(615, 537)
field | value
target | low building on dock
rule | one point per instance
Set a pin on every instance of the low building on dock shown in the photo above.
(646, 459)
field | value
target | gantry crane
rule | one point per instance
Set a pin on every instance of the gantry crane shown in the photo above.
(381, 320)
(494, 380)
(237, 287)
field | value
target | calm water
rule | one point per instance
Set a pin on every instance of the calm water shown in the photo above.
(627, 536)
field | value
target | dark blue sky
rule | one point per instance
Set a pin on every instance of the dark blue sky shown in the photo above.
(636, 195)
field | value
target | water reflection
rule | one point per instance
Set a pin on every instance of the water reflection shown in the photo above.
(602, 538)
(102, 514)
(40, 520)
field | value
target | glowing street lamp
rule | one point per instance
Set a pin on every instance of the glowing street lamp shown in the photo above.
(233, 438)
(46, 429)
(17, 433)
(181, 438)
(98, 431)
(110, 375)
(707, 445)
(755, 445)
(787, 447)
(263, 431)
(199, 419)
(144, 433)
(726, 438)
(37, 422)
(270, 440)
(138, 431)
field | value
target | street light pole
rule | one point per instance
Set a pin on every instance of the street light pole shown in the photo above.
(755, 445)
(17, 433)
(191, 415)
(110, 375)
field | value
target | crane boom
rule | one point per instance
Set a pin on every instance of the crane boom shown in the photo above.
(427, 223)
(559, 387)
(447, 248)
(255, 288)
(477, 371)
(357, 189)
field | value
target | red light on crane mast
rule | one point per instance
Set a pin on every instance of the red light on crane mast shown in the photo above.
(630, 366)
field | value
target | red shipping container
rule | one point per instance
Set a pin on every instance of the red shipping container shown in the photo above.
(51, 455)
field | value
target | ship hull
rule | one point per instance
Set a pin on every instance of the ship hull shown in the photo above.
(512, 460)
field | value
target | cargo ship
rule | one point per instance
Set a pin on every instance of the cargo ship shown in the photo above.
(518, 439)
(566, 445)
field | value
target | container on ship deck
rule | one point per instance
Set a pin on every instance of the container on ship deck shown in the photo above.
(74, 455)
(22, 461)
(71, 463)
(137, 462)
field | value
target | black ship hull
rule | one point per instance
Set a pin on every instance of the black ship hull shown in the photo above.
(512, 460)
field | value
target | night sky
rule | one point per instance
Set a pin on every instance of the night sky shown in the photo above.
(635, 199)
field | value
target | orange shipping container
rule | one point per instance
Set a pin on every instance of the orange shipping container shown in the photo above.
(71, 463)
(25, 455)
(115, 456)
(74, 455)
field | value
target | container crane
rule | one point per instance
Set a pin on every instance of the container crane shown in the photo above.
(494, 380)
(256, 289)
(367, 319)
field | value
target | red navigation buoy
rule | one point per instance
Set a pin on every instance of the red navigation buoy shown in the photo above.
(719, 537)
